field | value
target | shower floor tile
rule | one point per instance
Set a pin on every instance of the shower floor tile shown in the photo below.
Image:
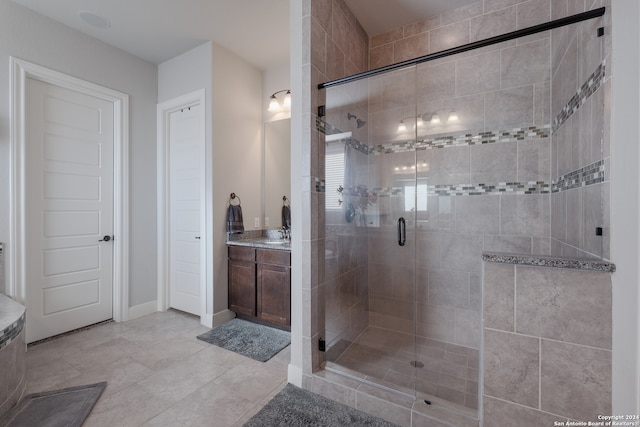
(444, 371)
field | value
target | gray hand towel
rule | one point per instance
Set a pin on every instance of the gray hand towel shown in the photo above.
(234, 219)
(286, 217)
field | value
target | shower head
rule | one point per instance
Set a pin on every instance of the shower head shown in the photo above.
(359, 122)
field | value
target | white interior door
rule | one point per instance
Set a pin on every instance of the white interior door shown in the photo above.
(186, 188)
(69, 154)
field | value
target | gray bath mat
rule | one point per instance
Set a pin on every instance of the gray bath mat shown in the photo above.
(256, 341)
(68, 407)
(296, 407)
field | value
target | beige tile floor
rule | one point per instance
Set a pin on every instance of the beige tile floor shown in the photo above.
(158, 373)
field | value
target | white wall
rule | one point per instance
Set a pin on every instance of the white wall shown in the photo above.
(186, 73)
(34, 38)
(179, 76)
(234, 143)
(237, 156)
(625, 206)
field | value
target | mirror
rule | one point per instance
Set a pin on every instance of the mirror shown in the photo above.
(277, 170)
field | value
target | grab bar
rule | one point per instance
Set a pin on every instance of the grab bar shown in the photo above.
(402, 231)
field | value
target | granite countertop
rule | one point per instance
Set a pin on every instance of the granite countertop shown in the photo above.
(264, 239)
(550, 261)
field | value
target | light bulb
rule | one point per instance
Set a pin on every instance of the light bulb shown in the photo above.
(435, 119)
(402, 127)
(287, 99)
(419, 122)
(453, 117)
(274, 105)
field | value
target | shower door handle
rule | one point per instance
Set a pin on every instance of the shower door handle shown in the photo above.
(402, 231)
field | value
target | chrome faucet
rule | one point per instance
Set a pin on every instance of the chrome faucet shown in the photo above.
(285, 233)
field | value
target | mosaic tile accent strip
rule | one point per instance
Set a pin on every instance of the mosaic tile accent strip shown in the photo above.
(499, 188)
(12, 331)
(471, 138)
(389, 191)
(592, 84)
(548, 261)
(588, 175)
(478, 138)
(489, 189)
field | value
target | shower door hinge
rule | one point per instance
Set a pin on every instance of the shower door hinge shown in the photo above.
(598, 231)
(321, 111)
(600, 31)
(322, 345)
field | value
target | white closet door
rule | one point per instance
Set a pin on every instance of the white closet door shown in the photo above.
(186, 182)
(69, 205)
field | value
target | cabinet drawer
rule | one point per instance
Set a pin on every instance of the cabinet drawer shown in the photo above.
(242, 253)
(273, 257)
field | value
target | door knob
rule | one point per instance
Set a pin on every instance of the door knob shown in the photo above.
(197, 237)
(105, 239)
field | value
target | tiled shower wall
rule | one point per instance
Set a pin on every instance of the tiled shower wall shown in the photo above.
(580, 156)
(338, 47)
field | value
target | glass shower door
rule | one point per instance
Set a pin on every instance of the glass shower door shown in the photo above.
(371, 190)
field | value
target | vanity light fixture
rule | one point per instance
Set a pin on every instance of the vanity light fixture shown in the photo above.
(274, 104)
(419, 122)
(434, 119)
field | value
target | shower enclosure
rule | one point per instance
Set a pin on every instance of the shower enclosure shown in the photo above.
(427, 167)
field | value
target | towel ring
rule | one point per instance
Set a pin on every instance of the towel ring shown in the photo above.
(233, 197)
(285, 201)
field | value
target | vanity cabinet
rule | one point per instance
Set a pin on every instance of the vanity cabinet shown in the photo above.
(260, 284)
(242, 280)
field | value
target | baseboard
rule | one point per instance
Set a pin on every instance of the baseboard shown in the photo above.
(222, 317)
(207, 320)
(142, 309)
(294, 375)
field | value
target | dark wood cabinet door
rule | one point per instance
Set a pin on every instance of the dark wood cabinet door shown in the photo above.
(242, 287)
(274, 294)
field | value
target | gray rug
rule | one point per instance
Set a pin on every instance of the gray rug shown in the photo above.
(256, 341)
(296, 407)
(68, 407)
